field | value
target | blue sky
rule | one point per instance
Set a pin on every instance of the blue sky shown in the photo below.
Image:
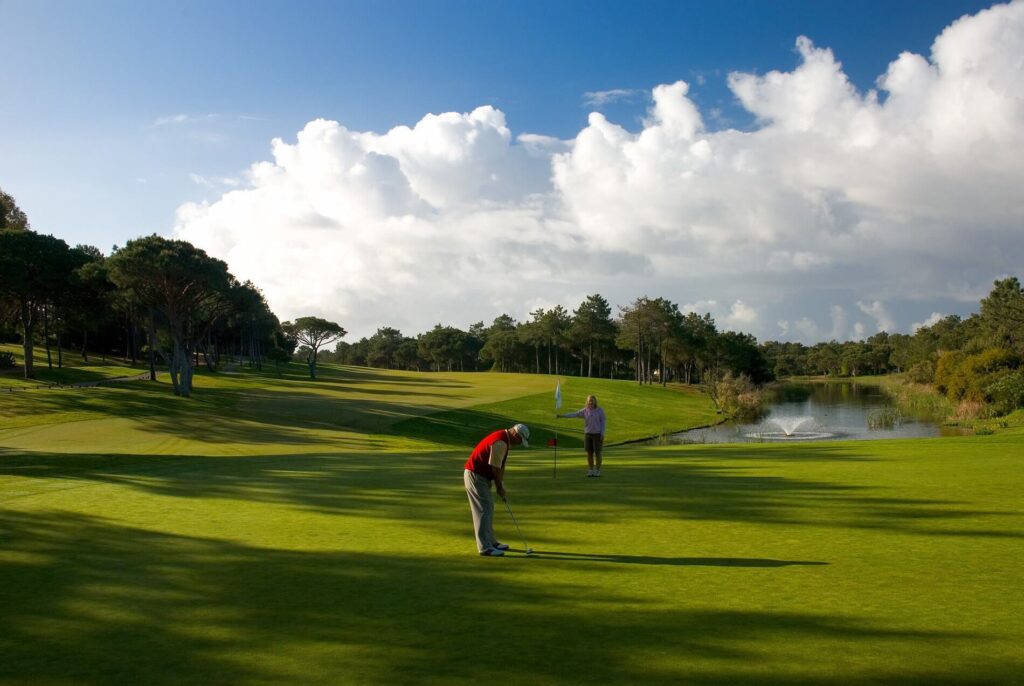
(118, 114)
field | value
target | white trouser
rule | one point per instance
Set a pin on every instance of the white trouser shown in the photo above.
(481, 504)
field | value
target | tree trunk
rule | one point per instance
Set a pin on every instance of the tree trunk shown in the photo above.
(134, 342)
(252, 344)
(661, 364)
(647, 367)
(175, 364)
(311, 361)
(46, 336)
(639, 353)
(26, 327)
(152, 345)
(186, 373)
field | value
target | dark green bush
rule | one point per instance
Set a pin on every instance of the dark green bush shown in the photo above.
(1007, 392)
(922, 372)
(967, 377)
(946, 369)
(736, 396)
(7, 360)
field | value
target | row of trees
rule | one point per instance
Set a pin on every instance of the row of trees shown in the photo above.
(155, 296)
(999, 323)
(170, 300)
(649, 340)
(976, 360)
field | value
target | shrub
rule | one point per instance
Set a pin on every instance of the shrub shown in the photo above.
(967, 377)
(7, 360)
(968, 410)
(884, 418)
(1006, 393)
(736, 396)
(922, 372)
(946, 369)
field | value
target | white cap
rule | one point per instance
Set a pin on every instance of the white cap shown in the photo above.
(523, 432)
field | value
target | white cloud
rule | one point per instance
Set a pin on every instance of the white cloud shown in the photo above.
(184, 119)
(741, 316)
(600, 98)
(201, 180)
(807, 329)
(881, 316)
(173, 119)
(839, 323)
(933, 319)
(906, 194)
(700, 307)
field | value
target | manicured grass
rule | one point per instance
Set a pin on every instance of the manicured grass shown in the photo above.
(73, 369)
(274, 531)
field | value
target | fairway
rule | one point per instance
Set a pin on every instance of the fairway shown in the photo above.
(274, 530)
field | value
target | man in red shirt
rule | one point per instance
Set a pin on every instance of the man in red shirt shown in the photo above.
(487, 464)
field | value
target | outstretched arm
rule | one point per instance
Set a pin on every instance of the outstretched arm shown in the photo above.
(499, 450)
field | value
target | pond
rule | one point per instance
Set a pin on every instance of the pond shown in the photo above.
(819, 412)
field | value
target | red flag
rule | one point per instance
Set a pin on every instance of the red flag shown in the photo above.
(552, 442)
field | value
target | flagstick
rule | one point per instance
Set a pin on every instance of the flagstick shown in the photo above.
(558, 406)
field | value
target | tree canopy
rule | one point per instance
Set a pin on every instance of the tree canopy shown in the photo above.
(313, 333)
(182, 283)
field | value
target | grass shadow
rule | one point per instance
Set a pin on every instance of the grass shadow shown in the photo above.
(90, 601)
(666, 561)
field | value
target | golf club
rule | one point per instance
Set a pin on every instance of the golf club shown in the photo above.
(529, 550)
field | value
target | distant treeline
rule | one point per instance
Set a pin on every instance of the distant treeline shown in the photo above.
(649, 340)
(167, 301)
(973, 361)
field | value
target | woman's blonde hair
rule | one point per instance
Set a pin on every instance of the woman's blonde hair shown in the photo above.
(592, 397)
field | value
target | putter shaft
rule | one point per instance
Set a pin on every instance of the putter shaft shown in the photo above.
(526, 545)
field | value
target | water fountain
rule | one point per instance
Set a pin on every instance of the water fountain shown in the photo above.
(790, 430)
(814, 412)
(789, 425)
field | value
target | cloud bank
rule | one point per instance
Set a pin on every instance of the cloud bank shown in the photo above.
(898, 202)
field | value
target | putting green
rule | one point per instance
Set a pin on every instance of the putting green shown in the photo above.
(276, 530)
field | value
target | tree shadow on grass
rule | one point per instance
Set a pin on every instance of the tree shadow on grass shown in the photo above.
(667, 561)
(390, 485)
(339, 375)
(85, 600)
(239, 415)
(348, 373)
(465, 427)
(226, 411)
(711, 485)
